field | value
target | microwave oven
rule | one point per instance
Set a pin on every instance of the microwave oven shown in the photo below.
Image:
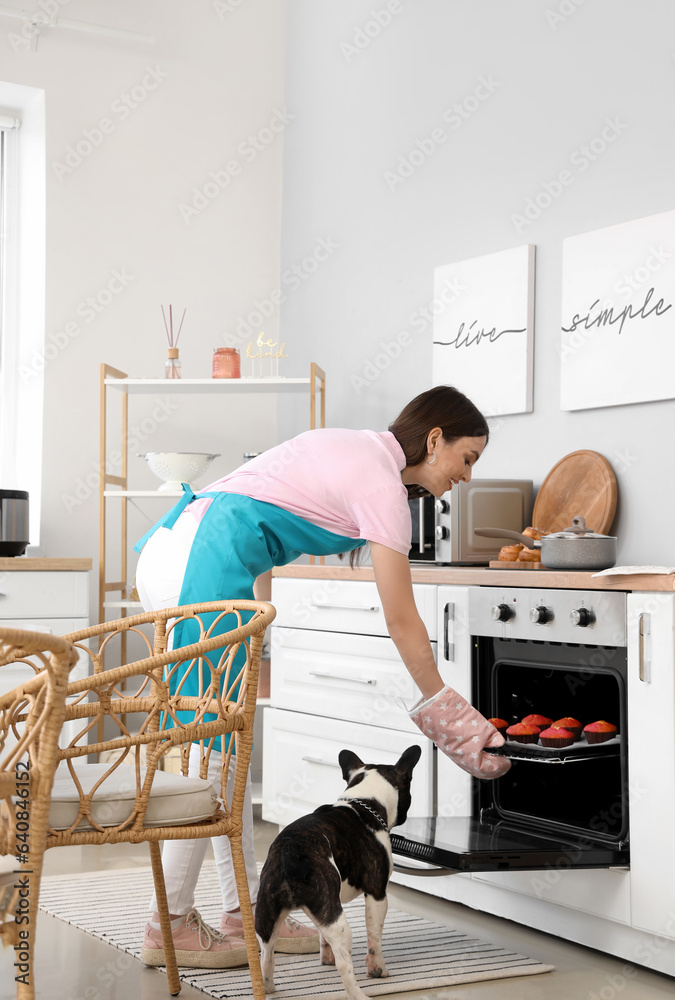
(443, 528)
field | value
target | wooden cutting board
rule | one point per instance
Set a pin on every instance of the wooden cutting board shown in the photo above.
(582, 482)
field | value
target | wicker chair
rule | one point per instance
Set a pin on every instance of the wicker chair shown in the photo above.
(30, 722)
(149, 690)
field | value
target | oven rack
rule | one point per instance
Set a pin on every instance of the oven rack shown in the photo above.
(577, 752)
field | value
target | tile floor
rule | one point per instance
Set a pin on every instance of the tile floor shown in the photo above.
(72, 965)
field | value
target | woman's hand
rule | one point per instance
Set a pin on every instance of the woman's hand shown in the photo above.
(406, 628)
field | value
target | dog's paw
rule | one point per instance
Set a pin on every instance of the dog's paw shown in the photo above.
(268, 985)
(376, 970)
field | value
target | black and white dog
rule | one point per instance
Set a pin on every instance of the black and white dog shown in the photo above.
(333, 855)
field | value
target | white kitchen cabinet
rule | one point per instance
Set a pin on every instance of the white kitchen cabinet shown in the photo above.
(51, 601)
(454, 664)
(300, 762)
(332, 659)
(651, 760)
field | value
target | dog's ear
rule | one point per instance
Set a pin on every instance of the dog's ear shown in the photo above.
(408, 759)
(349, 763)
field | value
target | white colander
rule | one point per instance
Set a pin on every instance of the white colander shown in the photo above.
(176, 467)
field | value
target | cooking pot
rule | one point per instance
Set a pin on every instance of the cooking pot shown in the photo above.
(13, 522)
(574, 548)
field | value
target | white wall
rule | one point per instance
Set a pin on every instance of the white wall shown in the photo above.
(212, 77)
(364, 93)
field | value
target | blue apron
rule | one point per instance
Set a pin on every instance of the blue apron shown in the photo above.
(237, 539)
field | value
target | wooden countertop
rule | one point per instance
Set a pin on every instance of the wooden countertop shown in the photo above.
(485, 577)
(42, 563)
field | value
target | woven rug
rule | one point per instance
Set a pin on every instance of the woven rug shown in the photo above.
(113, 906)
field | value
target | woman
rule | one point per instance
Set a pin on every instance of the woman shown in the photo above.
(327, 491)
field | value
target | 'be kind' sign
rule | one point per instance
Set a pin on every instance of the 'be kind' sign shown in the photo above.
(618, 322)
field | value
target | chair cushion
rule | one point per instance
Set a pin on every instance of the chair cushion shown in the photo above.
(174, 799)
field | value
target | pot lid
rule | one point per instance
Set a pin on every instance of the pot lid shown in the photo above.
(578, 529)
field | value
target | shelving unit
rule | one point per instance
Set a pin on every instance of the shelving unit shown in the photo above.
(115, 489)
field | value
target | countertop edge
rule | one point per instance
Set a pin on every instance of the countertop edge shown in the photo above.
(485, 577)
(46, 563)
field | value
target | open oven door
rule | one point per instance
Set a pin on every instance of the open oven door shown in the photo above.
(454, 844)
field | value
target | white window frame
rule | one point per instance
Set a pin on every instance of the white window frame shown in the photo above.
(23, 296)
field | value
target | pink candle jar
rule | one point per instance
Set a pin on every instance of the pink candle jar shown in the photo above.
(226, 363)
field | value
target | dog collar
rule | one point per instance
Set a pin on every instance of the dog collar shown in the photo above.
(370, 809)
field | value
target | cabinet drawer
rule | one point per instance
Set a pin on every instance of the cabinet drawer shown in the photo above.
(603, 893)
(45, 594)
(359, 678)
(300, 762)
(342, 605)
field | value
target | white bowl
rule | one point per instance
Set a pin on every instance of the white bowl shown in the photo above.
(177, 467)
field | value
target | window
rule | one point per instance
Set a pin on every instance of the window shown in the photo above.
(8, 299)
(22, 292)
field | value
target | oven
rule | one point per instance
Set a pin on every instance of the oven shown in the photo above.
(557, 653)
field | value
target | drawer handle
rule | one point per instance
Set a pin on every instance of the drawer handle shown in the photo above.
(2, 593)
(341, 677)
(319, 760)
(346, 607)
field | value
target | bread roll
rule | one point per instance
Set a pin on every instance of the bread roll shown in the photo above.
(510, 553)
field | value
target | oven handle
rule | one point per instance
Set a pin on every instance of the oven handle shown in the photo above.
(448, 647)
(424, 872)
(644, 671)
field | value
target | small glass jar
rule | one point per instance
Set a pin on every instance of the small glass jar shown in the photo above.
(226, 363)
(172, 366)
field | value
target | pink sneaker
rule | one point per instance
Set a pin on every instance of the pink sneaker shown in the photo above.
(294, 938)
(197, 945)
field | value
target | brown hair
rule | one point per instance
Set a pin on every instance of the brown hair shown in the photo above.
(444, 407)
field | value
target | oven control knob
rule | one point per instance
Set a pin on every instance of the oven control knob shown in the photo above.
(540, 615)
(501, 613)
(581, 617)
(442, 506)
(442, 532)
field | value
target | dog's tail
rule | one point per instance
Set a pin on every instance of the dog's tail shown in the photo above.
(294, 862)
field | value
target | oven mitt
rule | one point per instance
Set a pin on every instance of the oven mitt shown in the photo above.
(461, 732)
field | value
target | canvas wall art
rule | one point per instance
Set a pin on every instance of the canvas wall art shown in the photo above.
(618, 323)
(483, 329)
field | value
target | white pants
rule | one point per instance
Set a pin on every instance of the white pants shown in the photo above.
(159, 577)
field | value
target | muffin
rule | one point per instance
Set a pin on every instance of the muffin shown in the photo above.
(556, 736)
(540, 721)
(501, 725)
(573, 725)
(521, 733)
(599, 732)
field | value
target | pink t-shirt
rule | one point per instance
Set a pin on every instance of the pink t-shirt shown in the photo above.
(346, 481)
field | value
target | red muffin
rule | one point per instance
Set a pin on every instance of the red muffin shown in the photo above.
(501, 725)
(599, 732)
(520, 733)
(541, 721)
(556, 736)
(573, 725)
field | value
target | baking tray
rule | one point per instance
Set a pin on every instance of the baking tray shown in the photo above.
(578, 751)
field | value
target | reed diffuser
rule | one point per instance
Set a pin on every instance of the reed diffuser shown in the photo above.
(172, 366)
